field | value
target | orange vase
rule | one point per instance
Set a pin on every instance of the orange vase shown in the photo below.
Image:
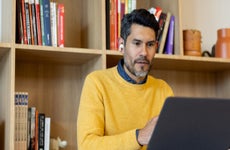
(222, 48)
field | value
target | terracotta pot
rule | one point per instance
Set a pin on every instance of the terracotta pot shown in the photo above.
(222, 48)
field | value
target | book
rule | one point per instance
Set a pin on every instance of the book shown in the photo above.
(156, 11)
(21, 106)
(33, 22)
(53, 19)
(107, 2)
(45, 22)
(42, 22)
(41, 131)
(24, 27)
(47, 132)
(17, 123)
(19, 28)
(162, 38)
(169, 44)
(27, 19)
(32, 132)
(38, 22)
(113, 25)
(60, 25)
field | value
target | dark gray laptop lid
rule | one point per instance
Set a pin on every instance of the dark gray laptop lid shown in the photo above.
(192, 124)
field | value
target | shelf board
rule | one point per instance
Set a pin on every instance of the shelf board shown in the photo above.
(48, 54)
(4, 47)
(177, 62)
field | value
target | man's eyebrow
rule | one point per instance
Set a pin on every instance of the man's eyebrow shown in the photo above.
(137, 40)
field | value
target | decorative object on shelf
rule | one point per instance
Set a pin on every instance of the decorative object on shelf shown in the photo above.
(192, 42)
(222, 48)
(57, 143)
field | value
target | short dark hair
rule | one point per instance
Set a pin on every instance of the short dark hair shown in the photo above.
(140, 17)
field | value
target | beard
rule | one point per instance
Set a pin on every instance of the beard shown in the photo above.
(130, 65)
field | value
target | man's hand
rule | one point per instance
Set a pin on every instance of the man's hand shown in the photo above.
(146, 132)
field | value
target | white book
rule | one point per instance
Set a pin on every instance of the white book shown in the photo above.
(47, 133)
(53, 21)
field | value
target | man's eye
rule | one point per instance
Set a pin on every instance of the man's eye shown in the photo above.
(137, 43)
(150, 44)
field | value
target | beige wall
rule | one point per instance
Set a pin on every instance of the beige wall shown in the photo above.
(206, 16)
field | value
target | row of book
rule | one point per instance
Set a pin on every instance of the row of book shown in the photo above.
(115, 10)
(40, 22)
(32, 128)
(166, 32)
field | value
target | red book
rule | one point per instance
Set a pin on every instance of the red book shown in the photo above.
(25, 40)
(113, 25)
(60, 25)
(38, 21)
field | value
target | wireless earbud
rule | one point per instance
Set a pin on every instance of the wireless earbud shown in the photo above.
(121, 46)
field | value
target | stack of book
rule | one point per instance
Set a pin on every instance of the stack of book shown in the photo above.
(32, 128)
(40, 22)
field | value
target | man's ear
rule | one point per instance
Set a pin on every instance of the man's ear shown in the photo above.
(121, 45)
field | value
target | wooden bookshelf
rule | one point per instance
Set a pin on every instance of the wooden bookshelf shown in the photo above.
(54, 76)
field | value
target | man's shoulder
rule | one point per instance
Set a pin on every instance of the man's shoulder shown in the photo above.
(103, 72)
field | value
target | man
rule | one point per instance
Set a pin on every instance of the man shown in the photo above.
(119, 106)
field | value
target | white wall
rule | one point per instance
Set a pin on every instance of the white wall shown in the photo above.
(207, 16)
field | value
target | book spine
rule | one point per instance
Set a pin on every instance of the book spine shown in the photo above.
(53, 18)
(60, 25)
(25, 114)
(36, 129)
(41, 131)
(113, 25)
(31, 22)
(32, 128)
(47, 132)
(25, 40)
(38, 22)
(107, 24)
(46, 20)
(169, 49)
(27, 19)
(42, 22)
(164, 33)
(34, 22)
(16, 133)
(19, 28)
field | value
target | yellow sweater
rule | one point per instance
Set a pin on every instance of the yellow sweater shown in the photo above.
(111, 109)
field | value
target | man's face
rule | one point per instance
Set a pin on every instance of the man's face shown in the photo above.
(139, 50)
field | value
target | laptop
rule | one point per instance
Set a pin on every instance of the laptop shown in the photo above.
(192, 124)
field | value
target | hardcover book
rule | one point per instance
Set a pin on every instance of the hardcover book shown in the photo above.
(24, 26)
(46, 26)
(38, 22)
(164, 34)
(27, 16)
(53, 17)
(47, 132)
(60, 25)
(169, 45)
(41, 131)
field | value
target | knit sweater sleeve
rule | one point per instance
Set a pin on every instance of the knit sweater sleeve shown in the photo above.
(91, 123)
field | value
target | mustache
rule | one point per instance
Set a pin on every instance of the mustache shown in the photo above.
(142, 60)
